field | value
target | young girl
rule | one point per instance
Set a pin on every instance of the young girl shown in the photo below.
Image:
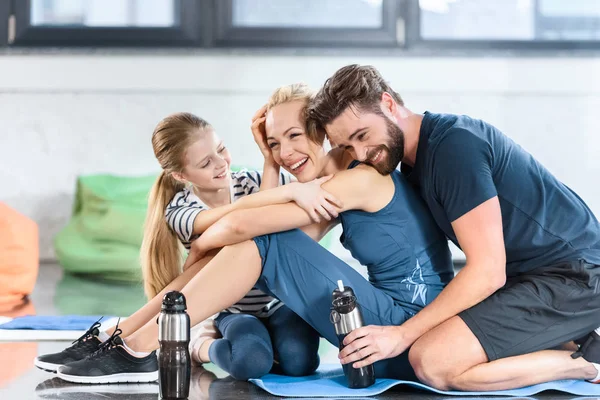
(195, 189)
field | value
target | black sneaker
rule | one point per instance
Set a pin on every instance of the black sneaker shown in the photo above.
(81, 348)
(111, 364)
(589, 349)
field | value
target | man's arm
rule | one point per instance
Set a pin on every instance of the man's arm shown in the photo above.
(465, 188)
(467, 192)
(479, 233)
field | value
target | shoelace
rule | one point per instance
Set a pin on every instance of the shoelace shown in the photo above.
(89, 333)
(109, 343)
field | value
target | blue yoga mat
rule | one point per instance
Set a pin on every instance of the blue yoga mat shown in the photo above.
(53, 323)
(329, 381)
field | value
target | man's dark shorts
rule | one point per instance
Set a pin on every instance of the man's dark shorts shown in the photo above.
(537, 310)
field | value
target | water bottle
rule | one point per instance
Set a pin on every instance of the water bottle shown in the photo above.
(174, 362)
(346, 316)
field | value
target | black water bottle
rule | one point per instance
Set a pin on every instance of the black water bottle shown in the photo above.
(346, 317)
(174, 362)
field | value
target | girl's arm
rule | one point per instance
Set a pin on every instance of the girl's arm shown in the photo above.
(308, 195)
(354, 188)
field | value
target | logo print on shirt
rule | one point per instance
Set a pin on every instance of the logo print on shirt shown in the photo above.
(416, 279)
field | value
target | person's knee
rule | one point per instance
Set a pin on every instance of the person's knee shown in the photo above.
(428, 369)
(298, 360)
(250, 358)
(300, 366)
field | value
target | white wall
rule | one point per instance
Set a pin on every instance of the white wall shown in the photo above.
(64, 115)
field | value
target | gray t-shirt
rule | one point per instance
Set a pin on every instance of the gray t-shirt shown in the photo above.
(462, 162)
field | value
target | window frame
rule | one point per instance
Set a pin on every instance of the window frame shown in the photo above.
(208, 24)
(186, 32)
(228, 35)
(5, 14)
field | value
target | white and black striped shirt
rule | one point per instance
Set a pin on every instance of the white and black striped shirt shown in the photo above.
(182, 211)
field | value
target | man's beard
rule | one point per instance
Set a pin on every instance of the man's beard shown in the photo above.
(393, 152)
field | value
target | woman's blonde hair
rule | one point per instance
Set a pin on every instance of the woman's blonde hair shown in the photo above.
(298, 92)
(161, 253)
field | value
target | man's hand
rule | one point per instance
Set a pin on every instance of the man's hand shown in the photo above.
(373, 343)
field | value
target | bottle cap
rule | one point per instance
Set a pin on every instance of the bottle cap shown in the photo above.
(343, 298)
(174, 301)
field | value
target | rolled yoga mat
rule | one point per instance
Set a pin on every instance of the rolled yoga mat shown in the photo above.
(43, 327)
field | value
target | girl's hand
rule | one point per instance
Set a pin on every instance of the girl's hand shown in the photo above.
(196, 254)
(317, 202)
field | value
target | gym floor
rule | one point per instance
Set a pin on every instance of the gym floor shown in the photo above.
(58, 294)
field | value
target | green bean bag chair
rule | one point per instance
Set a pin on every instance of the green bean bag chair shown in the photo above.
(105, 232)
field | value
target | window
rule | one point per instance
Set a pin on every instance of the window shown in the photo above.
(531, 23)
(307, 22)
(103, 13)
(307, 14)
(106, 22)
(572, 20)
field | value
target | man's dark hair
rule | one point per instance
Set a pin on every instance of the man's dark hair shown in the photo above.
(353, 85)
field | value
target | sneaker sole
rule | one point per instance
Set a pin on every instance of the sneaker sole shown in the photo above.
(140, 377)
(48, 367)
(114, 389)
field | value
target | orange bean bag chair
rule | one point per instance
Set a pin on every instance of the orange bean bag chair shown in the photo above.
(19, 258)
(20, 354)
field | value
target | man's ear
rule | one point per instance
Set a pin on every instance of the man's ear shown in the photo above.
(388, 104)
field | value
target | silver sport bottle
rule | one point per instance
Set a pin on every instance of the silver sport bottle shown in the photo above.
(346, 317)
(174, 362)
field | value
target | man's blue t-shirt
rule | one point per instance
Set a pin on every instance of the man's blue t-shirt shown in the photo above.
(462, 162)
